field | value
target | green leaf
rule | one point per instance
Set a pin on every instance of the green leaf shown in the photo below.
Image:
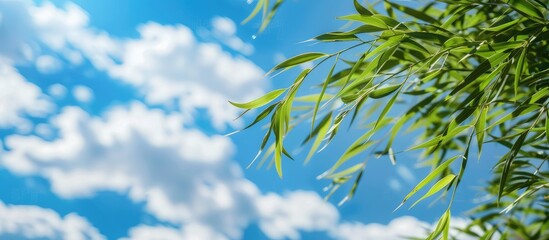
(442, 226)
(481, 69)
(384, 91)
(414, 13)
(261, 101)
(299, 59)
(504, 26)
(480, 125)
(437, 171)
(526, 8)
(442, 183)
(323, 91)
(323, 128)
(346, 172)
(267, 19)
(254, 12)
(508, 161)
(547, 126)
(519, 69)
(362, 10)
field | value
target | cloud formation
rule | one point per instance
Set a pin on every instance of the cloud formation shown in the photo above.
(32, 222)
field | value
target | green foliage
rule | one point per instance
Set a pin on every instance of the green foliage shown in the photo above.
(465, 70)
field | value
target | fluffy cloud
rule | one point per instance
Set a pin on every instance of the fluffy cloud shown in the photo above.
(47, 64)
(166, 63)
(284, 216)
(32, 222)
(397, 229)
(224, 29)
(190, 232)
(182, 175)
(82, 93)
(19, 98)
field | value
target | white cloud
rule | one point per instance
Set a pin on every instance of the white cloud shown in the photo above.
(57, 90)
(396, 229)
(167, 64)
(284, 216)
(32, 222)
(15, 40)
(47, 64)
(406, 174)
(224, 29)
(189, 232)
(182, 175)
(395, 184)
(19, 98)
(82, 94)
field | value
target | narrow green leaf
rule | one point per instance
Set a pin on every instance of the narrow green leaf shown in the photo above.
(547, 126)
(261, 101)
(346, 172)
(299, 59)
(519, 68)
(437, 171)
(442, 183)
(442, 225)
(385, 110)
(254, 12)
(384, 91)
(267, 19)
(504, 26)
(479, 128)
(481, 69)
(526, 8)
(509, 157)
(323, 91)
(362, 10)
(323, 128)
(414, 13)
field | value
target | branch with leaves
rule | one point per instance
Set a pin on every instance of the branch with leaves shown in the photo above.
(466, 71)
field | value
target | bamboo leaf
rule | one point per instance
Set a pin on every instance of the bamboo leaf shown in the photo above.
(299, 59)
(384, 91)
(261, 101)
(526, 8)
(519, 68)
(479, 128)
(437, 171)
(442, 183)
(323, 128)
(362, 10)
(346, 172)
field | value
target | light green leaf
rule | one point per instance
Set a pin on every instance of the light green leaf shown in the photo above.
(526, 8)
(346, 172)
(437, 171)
(547, 126)
(519, 68)
(299, 59)
(362, 10)
(479, 128)
(384, 91)
(261, 101)
(323, 128)
(442, 183)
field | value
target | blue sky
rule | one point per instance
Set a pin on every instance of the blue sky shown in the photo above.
(112, 123)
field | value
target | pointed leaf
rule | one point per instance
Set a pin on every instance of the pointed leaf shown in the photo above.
(442, 183)
(299, 59)
(261, 101)
(384, 91)
(437, 171)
